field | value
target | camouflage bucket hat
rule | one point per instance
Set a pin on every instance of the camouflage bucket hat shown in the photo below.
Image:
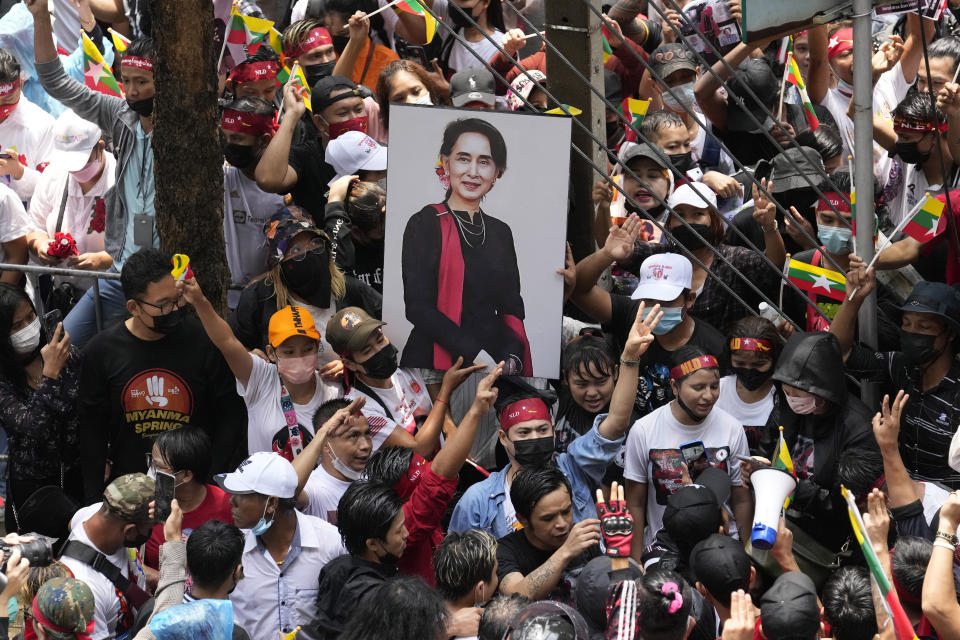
(280, 230)
(128, 497)
(65, 605)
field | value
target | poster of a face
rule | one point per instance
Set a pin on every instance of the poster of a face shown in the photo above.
(475, 233)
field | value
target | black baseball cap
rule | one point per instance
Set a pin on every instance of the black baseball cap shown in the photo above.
(671, 57)
(756, 75)
(937, 298)
(691, 514)
(790, 167)
(789, 609)
(320, 92)
(722, 565)
(593, 585)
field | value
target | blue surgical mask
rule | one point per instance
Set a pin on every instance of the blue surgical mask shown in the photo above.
(261, 527)
(835, 239)
(685, 98)
(672, 316)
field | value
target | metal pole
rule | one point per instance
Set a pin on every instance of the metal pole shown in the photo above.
(863, 163)
(97, 310)
(573, 28)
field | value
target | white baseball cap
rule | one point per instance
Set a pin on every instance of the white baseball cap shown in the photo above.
(265, 472)
(73, 140)
(663, 277)
(695, 194)
(352, 151)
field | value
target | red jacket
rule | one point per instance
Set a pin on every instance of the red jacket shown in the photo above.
(423, 513)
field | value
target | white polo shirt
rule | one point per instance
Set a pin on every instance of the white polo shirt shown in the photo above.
(273, 599)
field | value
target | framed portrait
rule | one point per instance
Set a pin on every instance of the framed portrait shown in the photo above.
(475, 233)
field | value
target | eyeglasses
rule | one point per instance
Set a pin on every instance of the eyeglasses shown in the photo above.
(317, 245)
(152, 467)
(166, 307)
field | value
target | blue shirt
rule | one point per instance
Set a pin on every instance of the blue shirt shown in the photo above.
(584, 464)
(138, 191)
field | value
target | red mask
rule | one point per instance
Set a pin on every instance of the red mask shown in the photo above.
(337, 129)
(7, 109)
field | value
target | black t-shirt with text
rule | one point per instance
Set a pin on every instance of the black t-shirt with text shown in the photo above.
(515, 554)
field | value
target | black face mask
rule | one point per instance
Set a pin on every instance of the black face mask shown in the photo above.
(687, 411)
(613, 130)
(685, 238)
(682, 162)
(918, 348)
(138, 542)
(340, 43)
(534, 451)
(382, 364)
(460, 18)
(317, 72)
(751, 379)
(309, 278)
(168, 322)
(388, 559)
(142, 107)
(910, 153)
(239, 155)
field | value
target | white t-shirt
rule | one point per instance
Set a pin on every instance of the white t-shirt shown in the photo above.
(29, 131)
(14, 221)
(408, 402)
(246, 207)
(509, 512)
(320, 319)
(106, 602)
(752, 414)
(323, 493)
(265, 419)
(653, 455)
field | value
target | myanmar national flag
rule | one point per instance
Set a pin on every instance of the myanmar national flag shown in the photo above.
(120, 43)
(245, 29)
(411, 6)
(783, 461)
(573, 111)
(607, 49)
(414, 7)
(794, 78)
(637, 110)
(922, 227)
(817, 279)
(297, 73)
(96, 74)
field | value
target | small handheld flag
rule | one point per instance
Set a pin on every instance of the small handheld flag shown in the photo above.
(793, 77)
(816, 279)
(181, 267)
(96, 73)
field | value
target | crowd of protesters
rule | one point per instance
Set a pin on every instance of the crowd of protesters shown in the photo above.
(317, 489)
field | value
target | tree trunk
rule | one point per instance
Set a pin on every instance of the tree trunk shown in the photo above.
(186, 142)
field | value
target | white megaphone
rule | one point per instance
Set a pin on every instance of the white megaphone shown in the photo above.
(771, 487)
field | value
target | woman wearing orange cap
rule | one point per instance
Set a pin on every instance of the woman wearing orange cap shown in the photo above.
(281, 394)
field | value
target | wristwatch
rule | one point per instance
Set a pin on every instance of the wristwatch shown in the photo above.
(949, 537)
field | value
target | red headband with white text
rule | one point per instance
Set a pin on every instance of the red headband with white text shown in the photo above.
(253, 71)
(688, 367)
(317, 37)
(522, 411)
(254, 124)
(144, 64)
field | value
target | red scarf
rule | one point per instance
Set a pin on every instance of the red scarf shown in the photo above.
(450, 291)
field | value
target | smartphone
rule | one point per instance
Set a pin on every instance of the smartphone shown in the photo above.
(416, 53)
(163, 495)
(694, 454)
(50, 321)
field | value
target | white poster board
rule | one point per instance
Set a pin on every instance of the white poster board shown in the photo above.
(504, 259)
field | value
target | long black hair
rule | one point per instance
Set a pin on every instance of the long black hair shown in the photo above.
(11, 363)
(402, 608)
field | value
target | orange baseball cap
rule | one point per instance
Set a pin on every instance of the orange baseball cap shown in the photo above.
(291, 321)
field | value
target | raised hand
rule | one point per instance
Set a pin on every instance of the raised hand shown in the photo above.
(641, 333)
(743, 618)
(876, 520)
(616, 523)
(513, 41)
(886, 423)
(887, 56)
(764, 210)
(455, 376)
(173, 526)
(569, 273)
(619, 242)
(486, 392)
(56, 352)
(293, 105)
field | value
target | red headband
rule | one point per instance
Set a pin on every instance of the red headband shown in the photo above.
(688, 367)
(137, 63)
(42, 619)
(835, 199)
(8, 87)
(841, 41)
(253, 71)
(522, 411)
(317, 37)
(901, 125)
(409, 480)
(751, 344)
(254, 124)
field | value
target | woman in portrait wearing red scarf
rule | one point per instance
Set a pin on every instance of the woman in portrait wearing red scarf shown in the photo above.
(460, 277)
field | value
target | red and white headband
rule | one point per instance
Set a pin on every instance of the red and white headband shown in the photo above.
(317, 37)
(684, 369)
(137, 63)
(254, 124)
(253, 71)
(523, 411)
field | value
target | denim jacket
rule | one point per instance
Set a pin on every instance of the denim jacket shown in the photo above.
(114, 116)
(584, 464)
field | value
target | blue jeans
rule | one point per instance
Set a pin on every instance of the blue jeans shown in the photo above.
(81, 322)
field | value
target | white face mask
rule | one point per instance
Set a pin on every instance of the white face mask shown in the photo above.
(27, 339)
(684, 93)
(424, 99)
(348, 473)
